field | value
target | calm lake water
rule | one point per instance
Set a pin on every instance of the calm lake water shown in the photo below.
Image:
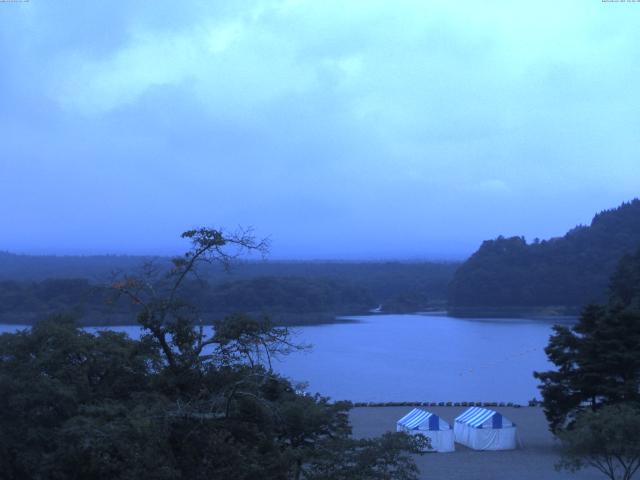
(417, 358)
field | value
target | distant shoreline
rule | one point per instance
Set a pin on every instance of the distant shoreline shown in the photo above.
(117, 319)
(548, 311)
(531, 403)
(288, 319)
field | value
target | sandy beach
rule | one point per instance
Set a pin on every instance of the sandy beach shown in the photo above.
(534, 460)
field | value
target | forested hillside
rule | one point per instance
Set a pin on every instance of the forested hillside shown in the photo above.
(32, 287)
(41, 267)
(597, 360)
(624, 291)
(565, 272)
(180, 402)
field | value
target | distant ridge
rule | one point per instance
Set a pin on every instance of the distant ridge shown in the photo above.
(302, 292)
(39, 267)
(559, 275)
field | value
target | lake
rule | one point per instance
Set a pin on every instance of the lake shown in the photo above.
(417, 357)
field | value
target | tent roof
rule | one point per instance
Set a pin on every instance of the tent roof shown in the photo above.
(417, 418)
(476, 416)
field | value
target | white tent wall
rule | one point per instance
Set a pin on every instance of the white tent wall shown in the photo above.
(442, 441)
(483, 429)
(485, 438)
(421, 422)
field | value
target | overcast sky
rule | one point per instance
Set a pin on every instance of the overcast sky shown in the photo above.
(341, 129)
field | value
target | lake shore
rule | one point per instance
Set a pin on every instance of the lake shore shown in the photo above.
(391, 358)
(537, 312)
(288, 319)
(534, 460)
(119, 319)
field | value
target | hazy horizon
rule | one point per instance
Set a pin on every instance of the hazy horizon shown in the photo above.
(341, 130)
(436, 257)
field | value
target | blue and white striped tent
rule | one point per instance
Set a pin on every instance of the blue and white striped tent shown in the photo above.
(421, 422)
(484, 429)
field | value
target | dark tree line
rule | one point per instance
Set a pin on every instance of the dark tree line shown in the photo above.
(305, 298)
(592, 398)
(570, 271)
(418, 277)
(598, 358)
(92, 303)
(176, 404)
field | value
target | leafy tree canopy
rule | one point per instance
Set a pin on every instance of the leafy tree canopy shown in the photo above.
(570, 271)
(607, 440)
(597, 359)
(176, 404)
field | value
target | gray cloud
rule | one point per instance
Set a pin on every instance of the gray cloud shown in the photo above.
(343, 129)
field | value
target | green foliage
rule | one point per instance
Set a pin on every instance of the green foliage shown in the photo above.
(383, 458)
(607, 440)
(51, 296)
(175, 404)
(292, 293)
(32, 287)
(288, 294)
(241, 338)
(598, 362)
(49, 376)
(570, 271)
(82, 406)
(625, 284)
(598, 359)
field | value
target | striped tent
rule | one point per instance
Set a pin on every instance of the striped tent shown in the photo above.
(484, 429)
(421, 422)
